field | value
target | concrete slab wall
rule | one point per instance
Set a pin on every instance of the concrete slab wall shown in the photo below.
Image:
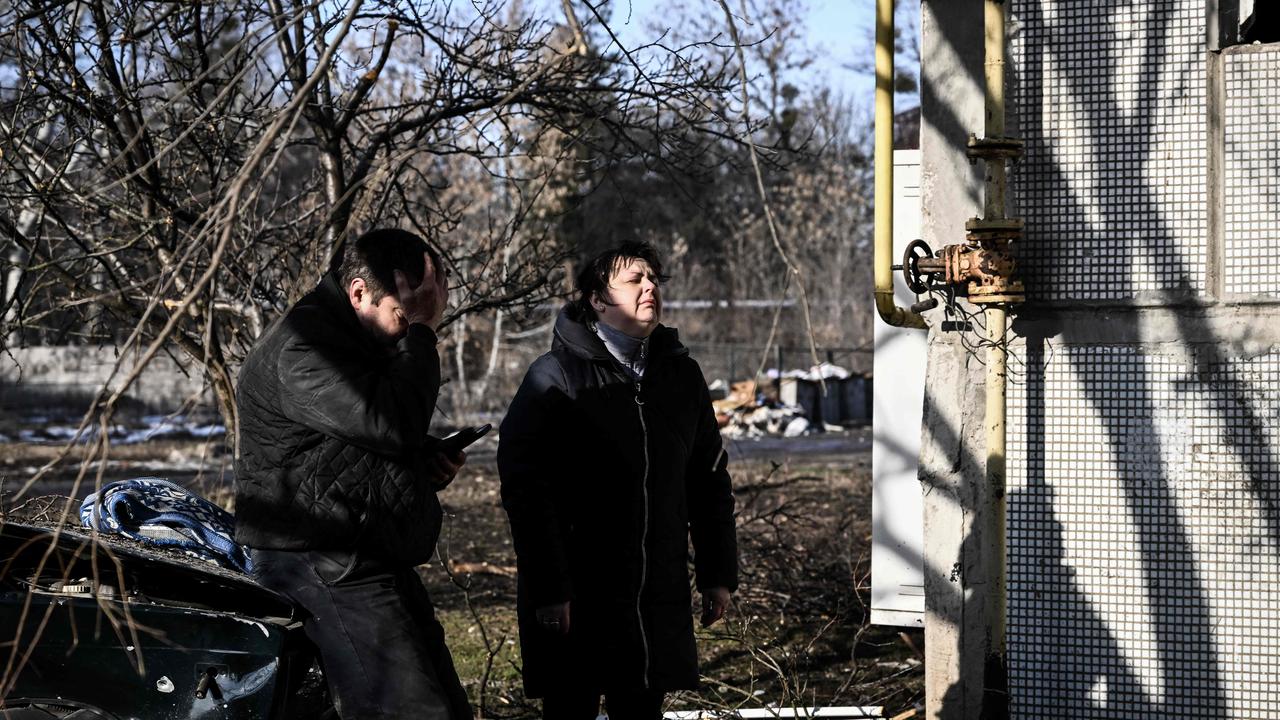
(1144, 460)
(956, 554)
(65, 379)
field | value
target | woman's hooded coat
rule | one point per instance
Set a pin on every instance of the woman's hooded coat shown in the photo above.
(606, 480)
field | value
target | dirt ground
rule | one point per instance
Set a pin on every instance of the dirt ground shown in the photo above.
(798, 634)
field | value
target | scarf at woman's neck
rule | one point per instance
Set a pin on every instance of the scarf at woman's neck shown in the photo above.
(631, 352)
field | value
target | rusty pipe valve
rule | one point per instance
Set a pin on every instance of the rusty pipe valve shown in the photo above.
(981, 268)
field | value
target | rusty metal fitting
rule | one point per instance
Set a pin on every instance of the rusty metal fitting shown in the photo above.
(978, 229)
(983, 265)
(985, 270)
(991, 274)
(989, 267)
(974, 266)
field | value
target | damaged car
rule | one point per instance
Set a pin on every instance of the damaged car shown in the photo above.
(98, 626)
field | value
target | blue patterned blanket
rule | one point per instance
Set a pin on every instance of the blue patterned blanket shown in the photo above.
(162, 513)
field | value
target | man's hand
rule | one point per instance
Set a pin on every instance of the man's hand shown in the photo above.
(554, 618)
(442, 469)
(714, 602)
(425, 303)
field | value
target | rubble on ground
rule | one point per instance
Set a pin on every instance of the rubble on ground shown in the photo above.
(744, 412)
(792, 403)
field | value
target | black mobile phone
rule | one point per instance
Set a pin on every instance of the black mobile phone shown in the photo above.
(453, 443)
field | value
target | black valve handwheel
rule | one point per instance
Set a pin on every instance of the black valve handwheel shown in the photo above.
(911, 257)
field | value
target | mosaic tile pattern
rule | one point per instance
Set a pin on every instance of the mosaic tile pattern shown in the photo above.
(1144, 535)
(1252, 183)
(1112, 185)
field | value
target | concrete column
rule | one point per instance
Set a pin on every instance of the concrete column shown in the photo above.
(959, 560)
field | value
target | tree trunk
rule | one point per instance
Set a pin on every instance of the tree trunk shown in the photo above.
(463, 393)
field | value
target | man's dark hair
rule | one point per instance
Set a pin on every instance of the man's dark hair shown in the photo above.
(594, 276)
(377, 254)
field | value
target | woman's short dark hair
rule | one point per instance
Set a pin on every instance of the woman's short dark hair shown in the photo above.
(594, 276)
(377, 254)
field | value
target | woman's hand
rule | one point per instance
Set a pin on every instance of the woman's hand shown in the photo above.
(714, 602)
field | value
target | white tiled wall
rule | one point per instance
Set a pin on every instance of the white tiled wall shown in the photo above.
(1252, 183)
(1109, 98)
(1144, 507)
(1144, 522)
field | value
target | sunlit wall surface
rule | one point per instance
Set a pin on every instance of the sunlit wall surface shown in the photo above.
(1110, 99)
(1252, 170)
(1144, 520)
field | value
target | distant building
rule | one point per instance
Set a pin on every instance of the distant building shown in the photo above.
(906, 129)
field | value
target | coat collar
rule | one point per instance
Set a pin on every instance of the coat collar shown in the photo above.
(573, 334)
(330, 296)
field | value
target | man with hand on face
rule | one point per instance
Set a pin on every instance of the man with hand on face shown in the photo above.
(336, 477)
(611, 462)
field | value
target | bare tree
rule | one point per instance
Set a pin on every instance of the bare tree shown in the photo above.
(174, 174)
(813, 148)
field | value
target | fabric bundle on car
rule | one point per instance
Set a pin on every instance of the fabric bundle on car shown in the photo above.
(158, 512)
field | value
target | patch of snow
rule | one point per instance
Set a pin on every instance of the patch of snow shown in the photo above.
(152, 427)
(825, 371)
(796, 427)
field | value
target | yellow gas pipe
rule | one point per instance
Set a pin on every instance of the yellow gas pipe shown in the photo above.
(995, 308)
(997, 353)
(885, 304)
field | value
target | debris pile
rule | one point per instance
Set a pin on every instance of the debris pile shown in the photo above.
(792, 403)
(749, 410)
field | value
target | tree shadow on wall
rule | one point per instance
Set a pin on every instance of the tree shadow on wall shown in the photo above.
(1059, 639)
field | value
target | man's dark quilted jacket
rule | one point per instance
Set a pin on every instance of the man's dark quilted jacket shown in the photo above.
(332, 437)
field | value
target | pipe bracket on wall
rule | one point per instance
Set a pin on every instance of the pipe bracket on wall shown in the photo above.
(1001, 148)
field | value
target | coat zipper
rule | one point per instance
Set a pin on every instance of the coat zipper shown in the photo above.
(644, 534)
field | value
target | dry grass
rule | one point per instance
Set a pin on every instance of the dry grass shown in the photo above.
(798, 634)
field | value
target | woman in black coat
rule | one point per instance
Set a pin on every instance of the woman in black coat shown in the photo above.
(611, 462)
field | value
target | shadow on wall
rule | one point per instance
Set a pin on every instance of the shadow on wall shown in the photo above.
(1066, 658)
(1057, 634)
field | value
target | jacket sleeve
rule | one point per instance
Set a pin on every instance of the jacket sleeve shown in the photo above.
(711, 502)
(529, 443)
(382, 406)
